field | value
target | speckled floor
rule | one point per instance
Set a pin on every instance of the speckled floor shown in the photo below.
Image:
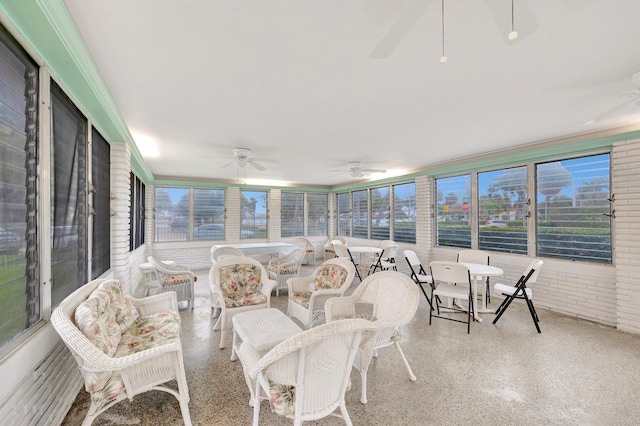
(574, 373)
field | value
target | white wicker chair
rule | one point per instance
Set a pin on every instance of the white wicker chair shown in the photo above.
(308, 247)
(393, 299)
(309, 371)
(238, 284)
(140, 371)
(175, 278)
(285, 267)
(307, 295)
(329, 252)
(218, 253)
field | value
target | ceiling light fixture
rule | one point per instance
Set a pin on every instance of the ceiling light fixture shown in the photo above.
(443, 58)
(513, 34)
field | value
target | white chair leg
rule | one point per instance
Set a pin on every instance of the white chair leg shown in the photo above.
(345, 414)
(363, 396)
(406, 363)
(184, 407)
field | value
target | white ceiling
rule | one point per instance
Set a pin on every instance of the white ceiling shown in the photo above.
(293, 80)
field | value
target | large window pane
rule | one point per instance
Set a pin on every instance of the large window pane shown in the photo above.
(317, 214)
(573, 208)
(19, 284)
(360, 214)
(69, 196)
(100, 178)
(502, 210)
(292, 214)
(404, 213)
(380, 213)
(453, 221)
(344, 214)
(208, 214)
(172, 214)
(253, 222)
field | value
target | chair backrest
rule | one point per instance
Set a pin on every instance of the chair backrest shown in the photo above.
(341, 250)
(473, 256)
(225, 251)
(238, 275)
(392, 295)
(449, 272)
(315, 364)
(412, 260)
(303, 243)
(532, 271)
(385, 243)
(330, 241)
(334, 274)
(389, 252)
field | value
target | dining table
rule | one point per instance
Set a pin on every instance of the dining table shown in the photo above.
(479, 272)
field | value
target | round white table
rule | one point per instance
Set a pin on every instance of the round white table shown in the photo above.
(364, 251)
(479, 272)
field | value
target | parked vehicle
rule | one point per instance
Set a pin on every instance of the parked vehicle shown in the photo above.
(497, 223)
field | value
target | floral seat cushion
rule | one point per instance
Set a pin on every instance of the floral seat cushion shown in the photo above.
(176, 280)
(285, 270)
(330, 277)
(282, 398)
(240, 285)
(301, 298)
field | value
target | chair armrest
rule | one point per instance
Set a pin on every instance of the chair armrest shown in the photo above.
(299, 284)
(267, 287)
(338, 307)
(249, 357)
(160, 302)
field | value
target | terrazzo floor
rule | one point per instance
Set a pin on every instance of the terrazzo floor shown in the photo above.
(575, 373)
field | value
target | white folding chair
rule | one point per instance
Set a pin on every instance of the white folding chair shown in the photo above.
(452, 280)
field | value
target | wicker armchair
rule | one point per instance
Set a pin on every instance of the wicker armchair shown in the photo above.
(238, 284)
(393, 300)
(307, 295)
(123, 346)
(175, 278)
(329, 252)
(306, 376)
(282, 268)
(218, 253)
(308, 247)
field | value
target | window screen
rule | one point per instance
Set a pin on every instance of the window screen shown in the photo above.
(100, 179)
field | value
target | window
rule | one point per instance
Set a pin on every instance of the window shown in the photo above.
(253, 223)
(292, 214)
(404, 213)
(68, 196)
(360, 214)
(101, 203)
(172, 214)
(317, 214)
(453, 222)
(380, 213)
(136, 212)
(503, 210)
(208, 214)
(344, 214)
(573, 209)
(19, 284)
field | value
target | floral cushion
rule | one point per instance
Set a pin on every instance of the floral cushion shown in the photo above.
(301, 298)
(285, 270)
(121, 303)
(310, 250)
(96, 319)
(240, 281)
(146, 332)
(329, 250)
(176, 279)
(330, 277)
(240, 300)
(282, 398)
(356, 316)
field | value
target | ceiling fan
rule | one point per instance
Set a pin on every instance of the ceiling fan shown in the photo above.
(242, 157)
(507, 16)
(356, 170)
(631, 98)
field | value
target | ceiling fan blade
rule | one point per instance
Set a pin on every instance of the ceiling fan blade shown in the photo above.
(523, 18)
(226, 165)
(265, 160)
(611, 111)
(400, 28)
(373, 170)
(256, 165)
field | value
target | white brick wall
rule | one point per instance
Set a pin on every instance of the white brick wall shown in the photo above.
(626, 188)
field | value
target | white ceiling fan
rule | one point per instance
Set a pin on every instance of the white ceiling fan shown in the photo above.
(508, 17)
(242, 157)
(356, 170)
(631, 98)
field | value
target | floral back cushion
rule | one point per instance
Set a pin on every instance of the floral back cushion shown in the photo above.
(240, 280)
(121, 303)
(330, 277)
(96, 319)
